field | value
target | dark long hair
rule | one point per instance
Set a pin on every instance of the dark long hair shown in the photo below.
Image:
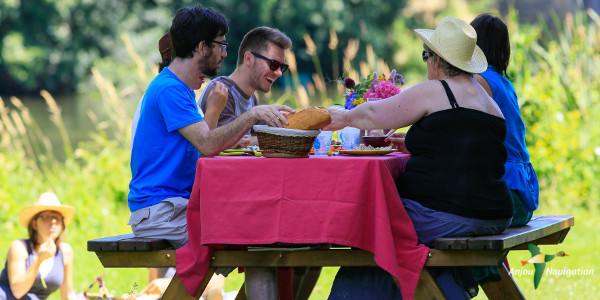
(191, 26)
(493, 39)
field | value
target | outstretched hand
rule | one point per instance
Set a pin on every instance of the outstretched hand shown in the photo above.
(338, 119)
(272, 114)
(397, 140)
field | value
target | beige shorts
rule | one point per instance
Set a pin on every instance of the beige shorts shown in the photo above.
(165, 220)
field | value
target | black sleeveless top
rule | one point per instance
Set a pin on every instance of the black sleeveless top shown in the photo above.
(457, 163)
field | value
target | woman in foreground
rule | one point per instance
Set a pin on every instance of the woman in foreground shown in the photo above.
(43, 263)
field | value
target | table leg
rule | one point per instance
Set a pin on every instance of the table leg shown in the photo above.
(176, 290)
(504, 289)
(285, 287)
(427, 288)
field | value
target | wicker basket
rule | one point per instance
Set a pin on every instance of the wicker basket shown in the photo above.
(283, 142)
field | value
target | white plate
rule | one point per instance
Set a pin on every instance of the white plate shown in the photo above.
(367, 152)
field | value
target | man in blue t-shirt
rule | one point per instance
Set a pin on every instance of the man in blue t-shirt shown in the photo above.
(170, 133)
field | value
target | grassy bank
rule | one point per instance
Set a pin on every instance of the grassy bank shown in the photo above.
(556, 81)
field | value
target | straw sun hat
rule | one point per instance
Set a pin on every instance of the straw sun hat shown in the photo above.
(456, 42)
(47, 201)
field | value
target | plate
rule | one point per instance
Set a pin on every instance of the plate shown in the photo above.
(242, 150)
(367, 152)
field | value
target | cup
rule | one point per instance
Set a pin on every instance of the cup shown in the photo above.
(322, 143)
(350, 137)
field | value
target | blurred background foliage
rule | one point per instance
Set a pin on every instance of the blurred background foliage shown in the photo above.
(52, 45)
(107, 52)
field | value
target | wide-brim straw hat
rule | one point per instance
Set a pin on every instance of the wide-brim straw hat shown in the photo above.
(456, 42)
(47, 201)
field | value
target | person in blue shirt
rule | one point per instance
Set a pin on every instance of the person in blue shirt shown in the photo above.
(493, 39)
(170, 133)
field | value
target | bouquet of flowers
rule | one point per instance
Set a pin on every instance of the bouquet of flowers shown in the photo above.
(372, 87)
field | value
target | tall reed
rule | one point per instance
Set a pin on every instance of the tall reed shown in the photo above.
(556, 80)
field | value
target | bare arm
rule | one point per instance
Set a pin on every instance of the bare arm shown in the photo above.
(21, 278)
(398, 111)
(484, 84)
(211, 142)
(67, 286)
(215, 102)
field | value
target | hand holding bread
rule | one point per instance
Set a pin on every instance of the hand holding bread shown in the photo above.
(313, 117)
(272, 114)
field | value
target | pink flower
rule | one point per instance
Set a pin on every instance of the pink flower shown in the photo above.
(383, 89)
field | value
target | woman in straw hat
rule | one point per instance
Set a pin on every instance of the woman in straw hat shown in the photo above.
(452, 185)
(38, 266)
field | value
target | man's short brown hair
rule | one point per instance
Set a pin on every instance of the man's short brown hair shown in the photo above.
(258, 39)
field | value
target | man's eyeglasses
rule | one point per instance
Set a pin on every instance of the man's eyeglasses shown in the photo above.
(223, 45)
(50, 217)
(273, 64)
(426, 54)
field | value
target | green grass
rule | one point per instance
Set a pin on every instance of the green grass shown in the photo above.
(557, 84)
(580, 244)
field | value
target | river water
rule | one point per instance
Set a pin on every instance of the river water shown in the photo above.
(73, 114)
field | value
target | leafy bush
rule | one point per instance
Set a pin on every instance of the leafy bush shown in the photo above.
(560, 102)
(556, 81)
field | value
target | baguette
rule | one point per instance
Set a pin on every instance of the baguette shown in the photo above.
(313, 117)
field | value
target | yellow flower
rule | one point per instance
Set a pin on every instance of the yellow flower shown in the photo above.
(358, 101)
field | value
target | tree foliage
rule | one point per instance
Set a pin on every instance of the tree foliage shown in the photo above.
(52, 44)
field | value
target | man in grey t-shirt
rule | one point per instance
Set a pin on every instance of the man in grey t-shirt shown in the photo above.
(260, 62)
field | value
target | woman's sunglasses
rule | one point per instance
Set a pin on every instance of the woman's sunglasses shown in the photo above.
(425, 55)
(273, 64)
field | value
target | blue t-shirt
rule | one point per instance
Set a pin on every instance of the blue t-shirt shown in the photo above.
(163, 162)
(519, 173)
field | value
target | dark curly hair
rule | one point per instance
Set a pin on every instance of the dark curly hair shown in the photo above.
(191, 26)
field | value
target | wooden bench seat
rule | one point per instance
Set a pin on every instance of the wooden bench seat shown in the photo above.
(126, 251)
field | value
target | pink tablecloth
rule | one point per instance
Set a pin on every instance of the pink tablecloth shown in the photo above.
(344, 200)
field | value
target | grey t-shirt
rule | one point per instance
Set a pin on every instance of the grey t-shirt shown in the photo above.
(237, 102)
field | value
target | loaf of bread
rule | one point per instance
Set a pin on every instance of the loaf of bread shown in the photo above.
(313, 117)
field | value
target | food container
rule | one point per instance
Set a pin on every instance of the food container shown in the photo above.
(283, 142)
(376, 141)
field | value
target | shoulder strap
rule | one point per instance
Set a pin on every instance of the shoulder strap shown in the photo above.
(449, 94)
(28, 245)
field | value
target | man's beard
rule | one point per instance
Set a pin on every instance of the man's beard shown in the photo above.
(206, 68)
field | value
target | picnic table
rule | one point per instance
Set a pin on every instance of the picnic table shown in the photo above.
(345, 201)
